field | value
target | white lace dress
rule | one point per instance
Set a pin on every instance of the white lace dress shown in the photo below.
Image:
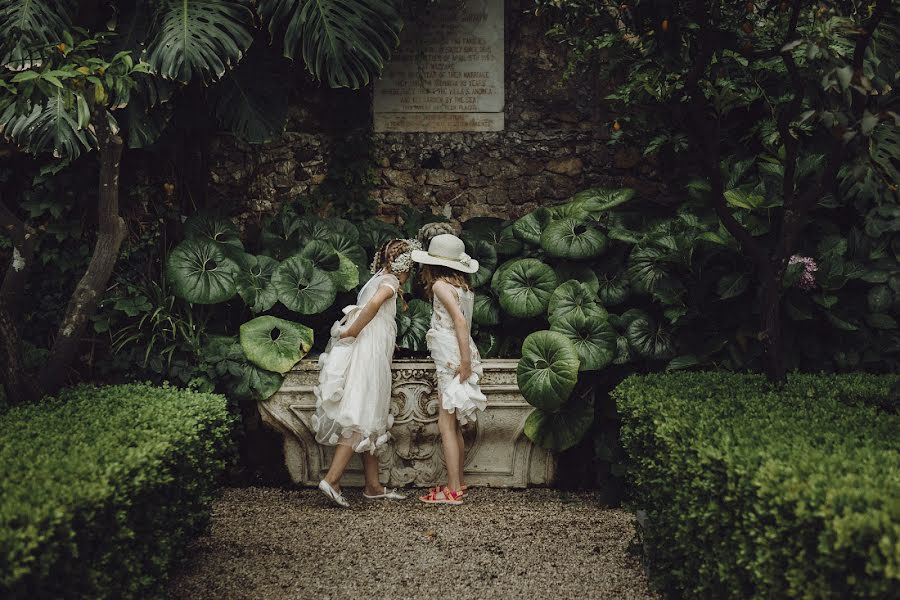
(353, 398)
(465, 399)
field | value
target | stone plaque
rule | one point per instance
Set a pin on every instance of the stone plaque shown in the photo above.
(447, 74)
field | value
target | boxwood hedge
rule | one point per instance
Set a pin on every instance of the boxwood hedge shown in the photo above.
(101, 488)
(748, 491)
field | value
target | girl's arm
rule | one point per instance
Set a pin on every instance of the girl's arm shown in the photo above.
(447, 295)
(369, 311)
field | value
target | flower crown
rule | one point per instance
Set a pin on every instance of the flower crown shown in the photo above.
(402, 263)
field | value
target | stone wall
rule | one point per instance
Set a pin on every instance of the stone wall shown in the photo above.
(554, 144)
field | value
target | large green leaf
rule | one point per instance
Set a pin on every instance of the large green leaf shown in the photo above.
(199, 39)
(647, 267)
(34, 25)
(413, 324)
(487, 309)
(201, 273)
(482, 228)
(580, 272)
(257, 384)
(525, 288)
(251, 101)
(344, 43)
(254, 283)
(373, 233)
(614, 288)
(593, 337)
(570, 238)
(562, 429)
(530, 227)
(324, 257)
(599, 200)
(573, 299)
(302, 287)
(213, 228)
(548, 369)
(52, 127)
(275, 344)
(648, 339)
(484, 253)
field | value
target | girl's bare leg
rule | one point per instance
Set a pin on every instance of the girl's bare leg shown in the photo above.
(370, 467)
(462, 455)
(342, 456)
(452, 451)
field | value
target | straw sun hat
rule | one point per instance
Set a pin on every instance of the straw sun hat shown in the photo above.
(447, 250)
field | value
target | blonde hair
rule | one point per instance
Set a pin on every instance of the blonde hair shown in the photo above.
(431, 274)
(388, 253)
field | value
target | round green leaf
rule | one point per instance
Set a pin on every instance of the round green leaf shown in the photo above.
(303, 288)
(498, 272)
(487, 309)
(562, 429)
(506, 243)
(648, 339)
(598, 200)
(322, 255)
(344, 228)
(373, 233)
(573, 299)
(525, 288)
(254, 283)
(275, 344)
(346, 245)
(210, 227)
(530, 227)
(413, 324)
(594, 339)
(580, 272)
(613, 288)
(255, 383)
(488, 344)
(569, 210)
(548, 369)
(201, 273)
(571, 238)
(486, 256)
(623, 351)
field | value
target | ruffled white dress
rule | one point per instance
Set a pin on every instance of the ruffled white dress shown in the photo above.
(464, 398)
(353, 398)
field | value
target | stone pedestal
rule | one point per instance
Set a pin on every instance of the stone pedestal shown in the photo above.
(497, 451)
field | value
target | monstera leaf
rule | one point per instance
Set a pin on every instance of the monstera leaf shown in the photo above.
(570, 238)
(199, 39)
(598, 200)
(488, 344)
(413, 324)
(486, 256)
(573, 299)
(251, 101)
(344, 43)
(213, 228)
(54, 127)
(254, 283)
(614, 288)
(530, 227)
(302, 287)
(548, 369)
(579, 272)
(594, 339)
(562, 429)
(648, 339)
(35, 24)
(201, 273)
(373, 233)
(275, 344)
(487, 309)
(525, 288)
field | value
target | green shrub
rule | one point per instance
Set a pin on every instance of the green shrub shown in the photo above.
(103, 487)
(755, 492)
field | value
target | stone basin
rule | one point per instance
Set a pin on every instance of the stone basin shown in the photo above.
(497, 451)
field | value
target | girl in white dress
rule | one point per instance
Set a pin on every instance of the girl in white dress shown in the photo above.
(353, 397)
(456, 360)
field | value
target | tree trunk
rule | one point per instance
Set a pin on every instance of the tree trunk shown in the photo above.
(90, 289)
(770, 330)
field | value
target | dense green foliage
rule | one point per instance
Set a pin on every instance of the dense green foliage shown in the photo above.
(103, 486)
(745, 490)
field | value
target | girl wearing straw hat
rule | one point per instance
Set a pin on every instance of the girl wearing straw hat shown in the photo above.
(456, 359)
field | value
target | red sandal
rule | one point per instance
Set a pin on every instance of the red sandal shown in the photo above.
(442, 496)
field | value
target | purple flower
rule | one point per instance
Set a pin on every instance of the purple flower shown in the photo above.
(807, 280)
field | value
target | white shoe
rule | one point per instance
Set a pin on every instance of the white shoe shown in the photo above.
(388, 494)
(333, 495)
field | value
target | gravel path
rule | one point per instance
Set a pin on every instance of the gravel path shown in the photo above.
(268, 543)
